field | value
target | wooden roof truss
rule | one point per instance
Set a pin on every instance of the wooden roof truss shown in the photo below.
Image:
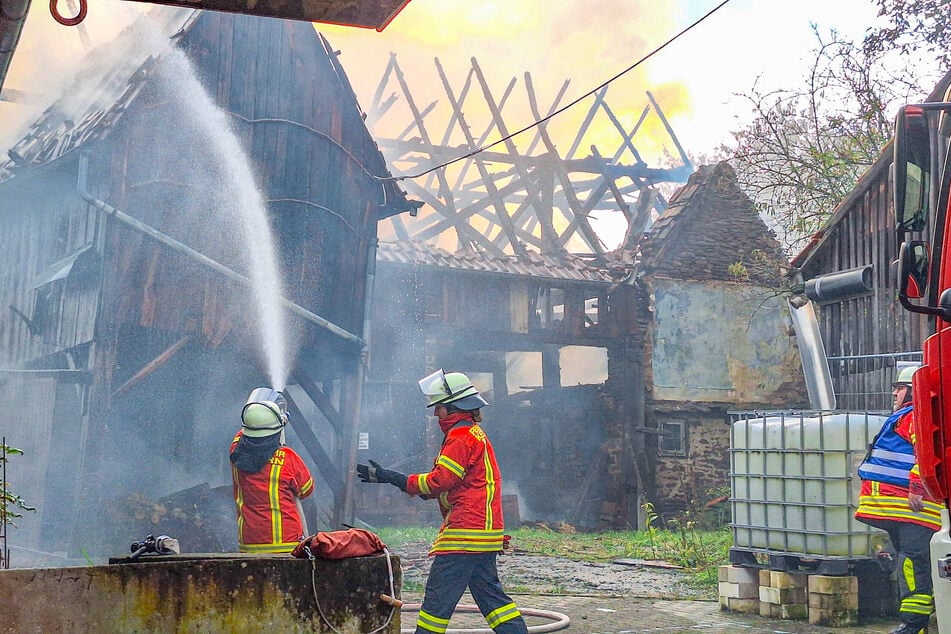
(507, 201)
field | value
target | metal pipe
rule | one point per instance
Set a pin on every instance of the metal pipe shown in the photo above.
(201, 258)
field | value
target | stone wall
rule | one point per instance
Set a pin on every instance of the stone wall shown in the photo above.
(209, 593)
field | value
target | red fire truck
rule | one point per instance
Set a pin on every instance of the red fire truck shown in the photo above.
(922, 183)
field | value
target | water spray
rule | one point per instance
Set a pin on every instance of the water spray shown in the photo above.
(247, 200)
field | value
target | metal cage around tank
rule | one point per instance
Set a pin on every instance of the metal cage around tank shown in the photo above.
(794, 486)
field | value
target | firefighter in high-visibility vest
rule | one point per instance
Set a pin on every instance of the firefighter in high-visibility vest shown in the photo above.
(893, 499)
(268, 478)
(466, 480)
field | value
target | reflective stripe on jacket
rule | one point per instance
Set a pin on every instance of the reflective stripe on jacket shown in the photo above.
(885, 477)
(892, 455)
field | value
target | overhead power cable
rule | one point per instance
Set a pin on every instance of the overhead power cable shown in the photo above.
(563, 108)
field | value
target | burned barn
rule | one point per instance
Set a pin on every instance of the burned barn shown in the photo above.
(145, 298)
(609, 385)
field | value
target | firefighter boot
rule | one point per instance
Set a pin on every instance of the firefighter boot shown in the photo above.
(908, 628)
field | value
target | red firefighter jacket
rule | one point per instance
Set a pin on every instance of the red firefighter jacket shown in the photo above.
(268, 518)
(466, 480)
(883, 501)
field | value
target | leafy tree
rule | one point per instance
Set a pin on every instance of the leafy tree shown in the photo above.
(807, 146)
(914, 26)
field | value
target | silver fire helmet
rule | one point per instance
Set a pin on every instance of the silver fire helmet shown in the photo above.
(265, 413)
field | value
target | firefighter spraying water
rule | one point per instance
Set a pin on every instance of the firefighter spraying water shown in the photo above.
(268, 478)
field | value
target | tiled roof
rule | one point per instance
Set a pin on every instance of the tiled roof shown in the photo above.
(534, 265)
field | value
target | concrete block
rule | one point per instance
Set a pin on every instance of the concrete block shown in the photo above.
(738, 574)
(779, 579)
(738, 590)
(793, 611)
(783, 596)
(847, 601)
(833, 618)
(764, 577)
(788, 612)
(732, 604)
(824, 584)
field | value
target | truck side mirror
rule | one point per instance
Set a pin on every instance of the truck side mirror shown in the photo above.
(912, 269)
(911, 169)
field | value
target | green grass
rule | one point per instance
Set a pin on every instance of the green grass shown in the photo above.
(699, 552)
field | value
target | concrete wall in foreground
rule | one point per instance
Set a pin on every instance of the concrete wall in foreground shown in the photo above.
(208, 593)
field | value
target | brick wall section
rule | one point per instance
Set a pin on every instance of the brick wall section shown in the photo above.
(692, 481)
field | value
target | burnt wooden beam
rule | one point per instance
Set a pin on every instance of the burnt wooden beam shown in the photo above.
(321, 458)
(660, 113)
(567, 188)
(320, 399)
(522, 169)
(498, 203)
(151, 366)
(589, 117)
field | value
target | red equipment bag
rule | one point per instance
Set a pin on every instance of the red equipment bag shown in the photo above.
(352, 542)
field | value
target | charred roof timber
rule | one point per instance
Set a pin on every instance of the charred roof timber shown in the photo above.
(515, 200)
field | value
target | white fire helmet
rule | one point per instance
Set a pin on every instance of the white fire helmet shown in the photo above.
(905, 374)
(453, 389)
(264, 414)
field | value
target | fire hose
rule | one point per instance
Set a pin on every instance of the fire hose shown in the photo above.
(559, 621)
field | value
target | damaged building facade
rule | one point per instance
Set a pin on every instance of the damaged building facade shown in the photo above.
(610, 387)
(132, 336)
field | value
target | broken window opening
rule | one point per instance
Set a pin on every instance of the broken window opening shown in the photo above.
(673, 438)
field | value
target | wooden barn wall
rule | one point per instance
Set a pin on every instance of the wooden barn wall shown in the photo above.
(309, 150)
(313, 158)
(44, 222)
(863, 233)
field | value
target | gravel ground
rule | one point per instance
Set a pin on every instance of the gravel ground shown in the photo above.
(608, 599)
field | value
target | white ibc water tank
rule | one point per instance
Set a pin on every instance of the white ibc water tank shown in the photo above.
(794, 483)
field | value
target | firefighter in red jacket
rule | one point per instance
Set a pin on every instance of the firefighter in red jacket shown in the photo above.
(893, 499)
(268, 478)
(465, 478)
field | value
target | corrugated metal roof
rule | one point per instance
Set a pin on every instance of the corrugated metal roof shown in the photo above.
(534, 265)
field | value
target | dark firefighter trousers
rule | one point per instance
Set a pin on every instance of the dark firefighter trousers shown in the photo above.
(915, 589)
(449, 577)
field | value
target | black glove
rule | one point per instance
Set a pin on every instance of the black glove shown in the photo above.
(375, 473)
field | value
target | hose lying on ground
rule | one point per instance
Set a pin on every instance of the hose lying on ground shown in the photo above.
(560, 621)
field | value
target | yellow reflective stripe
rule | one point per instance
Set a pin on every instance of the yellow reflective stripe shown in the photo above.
(285, 547)
(888, 506)
(307, 487)
(274, 499)
(432, 623)
(469, 540)
(490, 485)
(422, 481)
(239, 502)
(451, 464)
(501, 615)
